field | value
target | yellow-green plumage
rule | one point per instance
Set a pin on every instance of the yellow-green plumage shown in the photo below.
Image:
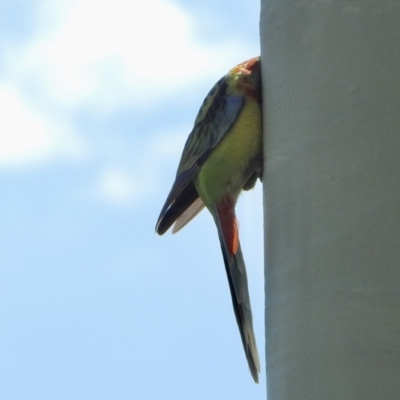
(226, 167)
(222, 156)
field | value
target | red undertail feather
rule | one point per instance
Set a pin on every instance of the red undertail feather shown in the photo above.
(229, 225)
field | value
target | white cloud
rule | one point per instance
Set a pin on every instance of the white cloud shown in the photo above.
(128, 185)
(116, 187)
(27, 136)
(102, 53)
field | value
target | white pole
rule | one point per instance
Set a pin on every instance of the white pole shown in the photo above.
(331, 81)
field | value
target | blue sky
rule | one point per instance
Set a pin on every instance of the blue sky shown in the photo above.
(97, 99)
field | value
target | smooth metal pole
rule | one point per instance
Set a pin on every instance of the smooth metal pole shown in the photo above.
(331, 81)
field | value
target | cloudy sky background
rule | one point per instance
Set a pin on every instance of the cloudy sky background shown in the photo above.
(97, 99)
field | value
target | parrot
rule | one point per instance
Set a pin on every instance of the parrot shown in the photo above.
(223, 155)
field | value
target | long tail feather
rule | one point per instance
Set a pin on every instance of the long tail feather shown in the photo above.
(237, 278)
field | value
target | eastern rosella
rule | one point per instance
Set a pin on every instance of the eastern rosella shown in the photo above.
(222, 156)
